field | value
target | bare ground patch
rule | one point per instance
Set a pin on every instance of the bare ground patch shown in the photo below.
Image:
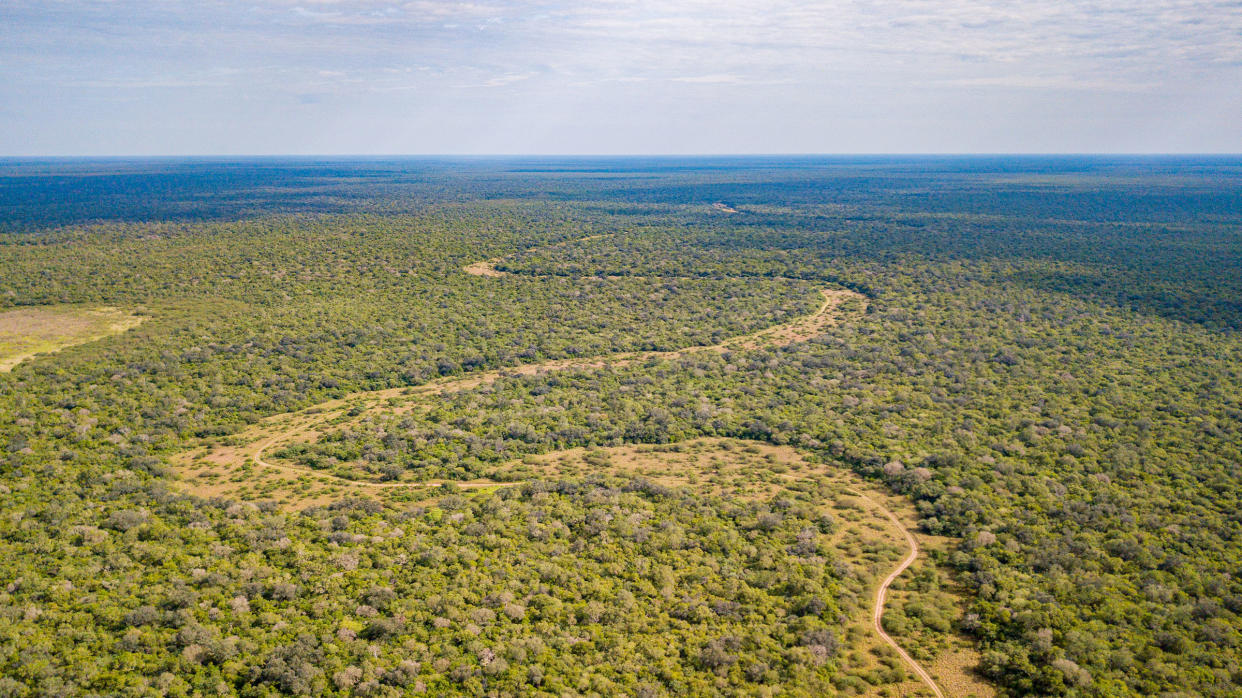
(865, 541)
(487, 267)
(484, 268)
(27, 332)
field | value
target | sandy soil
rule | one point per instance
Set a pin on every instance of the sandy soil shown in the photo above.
(484, 268)
(28, 332)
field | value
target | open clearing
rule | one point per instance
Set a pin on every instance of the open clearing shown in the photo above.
(872, 538)
(485, 268)
(27, 332)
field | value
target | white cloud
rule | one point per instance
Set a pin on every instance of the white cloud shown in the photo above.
(1029, 82)
(884, 64)
(502, 80)
(718, 79)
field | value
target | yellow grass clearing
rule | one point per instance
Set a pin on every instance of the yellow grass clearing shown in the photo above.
(484, 268)
(866, 541)
(27, 332)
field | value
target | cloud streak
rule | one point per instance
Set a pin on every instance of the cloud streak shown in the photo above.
(384, 61)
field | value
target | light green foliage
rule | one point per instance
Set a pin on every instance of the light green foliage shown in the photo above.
(606, 585)
(1052, 374)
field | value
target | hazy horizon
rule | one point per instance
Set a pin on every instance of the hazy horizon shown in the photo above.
(825, 156)
(687, 77)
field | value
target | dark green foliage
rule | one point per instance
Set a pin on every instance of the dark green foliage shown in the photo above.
(1048, 366)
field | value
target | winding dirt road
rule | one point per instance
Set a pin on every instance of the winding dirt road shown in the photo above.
(877, 613)
(797, 330)
(881, 595)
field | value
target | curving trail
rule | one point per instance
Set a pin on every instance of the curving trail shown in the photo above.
(797, 330)
(881, 595)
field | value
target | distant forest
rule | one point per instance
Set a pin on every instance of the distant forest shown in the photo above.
(1047, 368)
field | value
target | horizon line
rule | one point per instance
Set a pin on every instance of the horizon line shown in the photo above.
(946, 154)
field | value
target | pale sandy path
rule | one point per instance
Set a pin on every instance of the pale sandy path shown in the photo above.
(797, 330)
(881, 595)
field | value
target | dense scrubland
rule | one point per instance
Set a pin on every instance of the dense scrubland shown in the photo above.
(1048, 369)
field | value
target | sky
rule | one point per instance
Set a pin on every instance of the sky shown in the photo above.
(221, 77)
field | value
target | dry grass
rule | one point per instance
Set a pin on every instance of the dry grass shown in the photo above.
(27, 332)
(235, 468)
(955, 656)
(865, 540)
(803, 328)
(484, 268)
(488, 266)
(952, 665)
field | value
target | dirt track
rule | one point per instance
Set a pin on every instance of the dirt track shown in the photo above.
(798, 330)
(881, 594)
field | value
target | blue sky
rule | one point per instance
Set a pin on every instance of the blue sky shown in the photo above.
(100, 77)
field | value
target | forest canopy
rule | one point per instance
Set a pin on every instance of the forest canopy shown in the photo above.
(1044, 363)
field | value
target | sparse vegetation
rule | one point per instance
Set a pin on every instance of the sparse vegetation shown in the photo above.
(27, 332)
